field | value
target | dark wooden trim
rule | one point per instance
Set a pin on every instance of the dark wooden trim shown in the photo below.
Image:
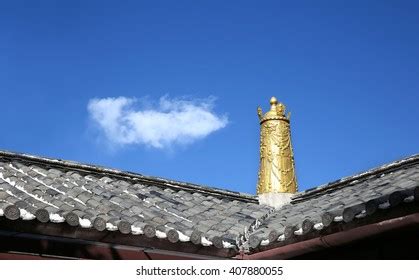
(30, 246)
(20, 256)
(79, 236)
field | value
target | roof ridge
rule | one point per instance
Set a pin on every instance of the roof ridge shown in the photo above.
(131, 176)
(331, 186)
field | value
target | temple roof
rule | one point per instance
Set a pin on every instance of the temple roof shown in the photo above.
(355, 201)
(108, 200)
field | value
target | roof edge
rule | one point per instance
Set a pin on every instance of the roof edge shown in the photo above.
(330, 239)
(131, 176)
(395, 165)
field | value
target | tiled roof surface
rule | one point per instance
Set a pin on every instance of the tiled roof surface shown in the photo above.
(105, 199)
(343, 201)
(88, 196)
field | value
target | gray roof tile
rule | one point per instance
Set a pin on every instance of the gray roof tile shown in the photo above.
(116, 200)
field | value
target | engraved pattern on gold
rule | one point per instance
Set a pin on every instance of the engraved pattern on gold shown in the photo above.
(276, 171)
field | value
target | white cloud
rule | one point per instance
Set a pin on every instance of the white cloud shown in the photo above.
(171, 121)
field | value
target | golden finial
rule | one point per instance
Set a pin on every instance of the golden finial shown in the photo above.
(277, 111)
(260, 114)
(277, 171)
(280, 109)
(273, 101)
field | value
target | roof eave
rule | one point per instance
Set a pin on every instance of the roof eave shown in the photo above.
(339, 234)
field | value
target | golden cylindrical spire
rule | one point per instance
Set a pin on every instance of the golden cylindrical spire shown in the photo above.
(277, 170)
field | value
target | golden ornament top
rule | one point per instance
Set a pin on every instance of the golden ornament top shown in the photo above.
(277, 112)
(276, 170)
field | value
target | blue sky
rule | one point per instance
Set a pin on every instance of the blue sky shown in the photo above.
(348, 72)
